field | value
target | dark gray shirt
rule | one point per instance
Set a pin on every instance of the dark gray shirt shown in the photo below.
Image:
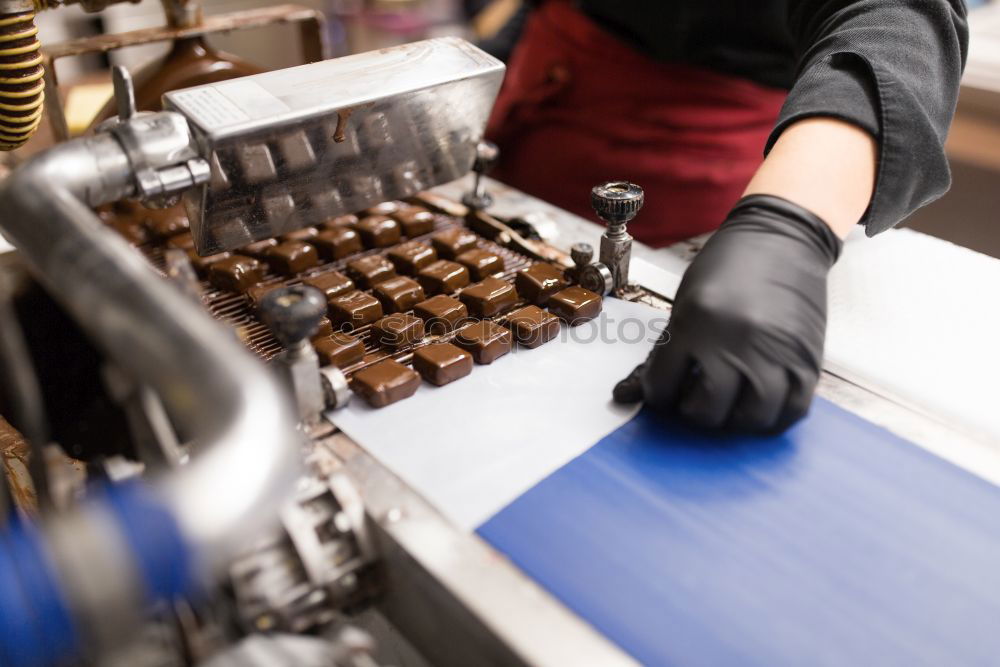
(891, 67)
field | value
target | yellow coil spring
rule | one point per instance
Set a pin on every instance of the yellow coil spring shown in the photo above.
(21, 79)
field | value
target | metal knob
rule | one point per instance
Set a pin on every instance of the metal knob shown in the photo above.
(486, 156)
(581, 254)
(617, 202)
(293, 314)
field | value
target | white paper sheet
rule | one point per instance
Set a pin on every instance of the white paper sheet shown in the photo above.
(475, 445)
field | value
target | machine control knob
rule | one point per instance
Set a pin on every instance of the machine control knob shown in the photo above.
(293, 314)
(617, 202)
(581, 254)
(597, 278)
(486, 156)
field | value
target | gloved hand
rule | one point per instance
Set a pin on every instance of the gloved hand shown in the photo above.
(744, 345)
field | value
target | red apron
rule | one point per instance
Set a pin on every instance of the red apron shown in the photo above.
(580, 107)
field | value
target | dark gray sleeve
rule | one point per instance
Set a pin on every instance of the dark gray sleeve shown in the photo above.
(893, 68)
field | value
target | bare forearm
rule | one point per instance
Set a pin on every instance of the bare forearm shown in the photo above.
(824, 165)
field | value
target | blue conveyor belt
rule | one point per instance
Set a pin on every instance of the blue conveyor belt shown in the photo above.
(837, 543)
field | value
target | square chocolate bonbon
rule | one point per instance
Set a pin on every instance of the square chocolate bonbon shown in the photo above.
(575, 305)
(332, 283)
(337, 243)
(258, 249)
(486, 341)
(201, 264)
(442, 363)
(538, 282)
(385, 383)
(410, 257)
(292, 257)
(533, 326)
(304, 234)
(348, 220)
(489, 297)
(166, 222)
(354, 310)
(370, 271)
(379, 231)
(415, 220)
(340, 350)
(441, 314)
(451, 243)
(398, 330)
(399, 294)
(443, 277)
(481, 263)
(236, 273)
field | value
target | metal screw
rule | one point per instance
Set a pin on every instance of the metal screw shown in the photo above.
(582, 254)
(486, 156)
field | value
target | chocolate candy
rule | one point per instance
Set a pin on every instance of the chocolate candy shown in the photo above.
(575, 305)
(442, 363)
(385, 383)
(370, 271)
(236, 273)
(183, 241)
(538, 282)
(257, 293)
(304, 234)
(398, 330)
(489, 297)
(337, 243)
(453, 242)
(399, 294)
(339, 349)
(323, 330)
(201, 264)
(385, 208)
(415, 220)
(443, 277)
(167, 222)
(131, 230)
(379, 231)
(410, 257)
(532, 326)
(258, 249)
(485, 340)
(292, 257)
(441, 314)
(331, 284)
(348, 220)
(354, 310)
(481, 263)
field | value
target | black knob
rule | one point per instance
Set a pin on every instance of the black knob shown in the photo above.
(581, 254)
(486, 156)
(293, 313)
(616, 202)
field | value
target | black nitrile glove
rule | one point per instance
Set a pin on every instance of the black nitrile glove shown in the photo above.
(744, 345)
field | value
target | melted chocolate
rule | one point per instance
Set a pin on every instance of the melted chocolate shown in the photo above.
(292, 257)
(398, 330)
(370, 271)
(481, 263)
(453, 242)
(489, 297)
(337, 243)
(532, 326)
(354, 310)
(575, 305)
(441, 314)
(385, 383)
(167, 222)
(399, 294)
(339, 349)
(443, 277)
(331, 284)
(442, 363)
(412, 256)
(236, 273)
(485, 340)
(379, 231)
(538, 282)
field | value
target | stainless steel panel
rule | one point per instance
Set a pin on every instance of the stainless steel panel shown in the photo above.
(296, 147)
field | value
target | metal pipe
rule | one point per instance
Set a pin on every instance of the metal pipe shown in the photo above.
(249, 452)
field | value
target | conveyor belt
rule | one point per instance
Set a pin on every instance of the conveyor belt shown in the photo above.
(837, 543)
